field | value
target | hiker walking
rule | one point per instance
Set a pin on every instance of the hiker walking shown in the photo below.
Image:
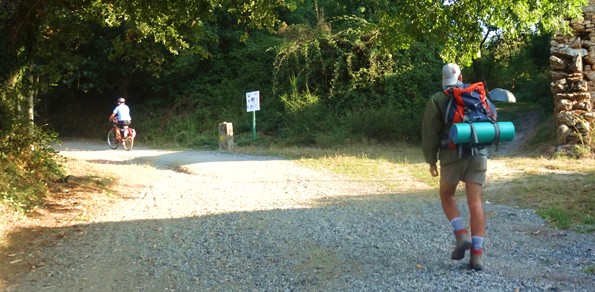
(455, 166)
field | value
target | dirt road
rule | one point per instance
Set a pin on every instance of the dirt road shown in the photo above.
(169, 185)
(214, 221)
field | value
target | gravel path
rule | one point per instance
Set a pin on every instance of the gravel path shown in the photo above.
(212, 221)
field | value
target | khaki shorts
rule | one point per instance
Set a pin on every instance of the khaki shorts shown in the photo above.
(470, 169)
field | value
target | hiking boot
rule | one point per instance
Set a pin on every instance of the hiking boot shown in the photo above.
(463, 244)
(476, 260)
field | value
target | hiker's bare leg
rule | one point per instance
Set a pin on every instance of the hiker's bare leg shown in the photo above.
(447, 198)
(477, 220)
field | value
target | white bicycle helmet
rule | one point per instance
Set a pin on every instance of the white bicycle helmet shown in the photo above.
(121, 100)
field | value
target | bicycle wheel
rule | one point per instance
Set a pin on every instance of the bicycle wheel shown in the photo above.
(127, 143)
(111, 139)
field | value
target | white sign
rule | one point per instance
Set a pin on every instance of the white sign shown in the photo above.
(253, 101)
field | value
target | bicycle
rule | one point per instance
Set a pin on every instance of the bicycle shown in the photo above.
(114, 137)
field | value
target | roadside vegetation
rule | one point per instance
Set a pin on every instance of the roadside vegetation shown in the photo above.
(27, 165)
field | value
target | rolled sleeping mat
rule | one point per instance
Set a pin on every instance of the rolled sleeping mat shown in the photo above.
(461, 133)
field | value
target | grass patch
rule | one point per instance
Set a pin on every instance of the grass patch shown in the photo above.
(396, 167)
(559, 189)
(558, 217)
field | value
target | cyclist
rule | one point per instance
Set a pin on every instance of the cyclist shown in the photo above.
(123, 113)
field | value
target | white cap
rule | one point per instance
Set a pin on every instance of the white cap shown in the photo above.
(450, 74)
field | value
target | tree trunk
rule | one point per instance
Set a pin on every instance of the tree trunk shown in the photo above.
(31, 105)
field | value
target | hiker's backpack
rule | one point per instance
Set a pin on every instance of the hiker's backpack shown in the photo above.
(469, 104)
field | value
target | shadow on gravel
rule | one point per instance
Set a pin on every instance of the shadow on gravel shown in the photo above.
(378, 243)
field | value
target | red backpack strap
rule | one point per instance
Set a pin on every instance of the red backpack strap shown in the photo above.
(459, 104)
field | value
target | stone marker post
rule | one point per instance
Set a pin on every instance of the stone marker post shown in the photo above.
(225, 136)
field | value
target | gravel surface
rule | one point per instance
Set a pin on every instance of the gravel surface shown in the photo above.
(214, 221)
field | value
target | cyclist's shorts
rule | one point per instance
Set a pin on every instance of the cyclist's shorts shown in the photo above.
(121, 124)
(470, 169)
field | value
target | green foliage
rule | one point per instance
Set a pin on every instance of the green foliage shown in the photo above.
(27, 165)
(558, 217)
(463, 26)
(341, 68)
(304, 117)
(360, 69)
(177, 25)
(65, 42)
(366, 92)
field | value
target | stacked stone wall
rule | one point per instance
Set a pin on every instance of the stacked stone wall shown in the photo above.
(573, 82)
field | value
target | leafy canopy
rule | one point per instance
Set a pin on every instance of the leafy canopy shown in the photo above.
(35, 32)
(463, 26)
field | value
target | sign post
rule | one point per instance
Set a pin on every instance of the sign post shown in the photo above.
(253, 105)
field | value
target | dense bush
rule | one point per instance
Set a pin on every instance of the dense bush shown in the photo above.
(362, 91)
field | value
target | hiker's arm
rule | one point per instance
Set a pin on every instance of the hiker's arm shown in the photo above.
(431, 129)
